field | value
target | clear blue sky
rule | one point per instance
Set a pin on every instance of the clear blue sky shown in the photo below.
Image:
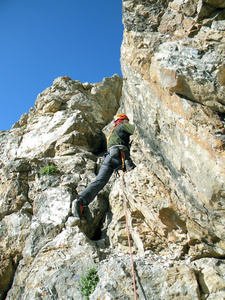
(41, 40)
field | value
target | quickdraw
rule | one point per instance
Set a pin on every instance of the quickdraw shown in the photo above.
(123, 167)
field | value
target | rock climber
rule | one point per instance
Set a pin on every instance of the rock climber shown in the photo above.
(118, 157)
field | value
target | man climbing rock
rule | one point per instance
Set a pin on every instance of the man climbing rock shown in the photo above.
(118, 157)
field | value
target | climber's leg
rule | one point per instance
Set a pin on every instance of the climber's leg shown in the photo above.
(103, 177)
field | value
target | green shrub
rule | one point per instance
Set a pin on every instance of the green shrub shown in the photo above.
(88, 282)
(49, 170)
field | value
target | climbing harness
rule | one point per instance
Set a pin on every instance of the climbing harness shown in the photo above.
(127, 164)
(128, 233)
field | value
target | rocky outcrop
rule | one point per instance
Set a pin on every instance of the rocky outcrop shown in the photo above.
(64, 130)
(172, 59)
(172, 65)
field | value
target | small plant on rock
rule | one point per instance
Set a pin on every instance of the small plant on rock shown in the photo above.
(88, 282)
(49, 170)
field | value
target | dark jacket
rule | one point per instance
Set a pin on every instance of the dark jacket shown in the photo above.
(121, 135)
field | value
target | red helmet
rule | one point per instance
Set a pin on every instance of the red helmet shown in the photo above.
(120, 117)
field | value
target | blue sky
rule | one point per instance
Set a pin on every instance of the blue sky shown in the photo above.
(41, 40)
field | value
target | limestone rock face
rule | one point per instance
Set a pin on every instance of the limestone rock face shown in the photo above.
(63, 130)
(63, 117)
(175, 94)
(182, 52)
(172, 59)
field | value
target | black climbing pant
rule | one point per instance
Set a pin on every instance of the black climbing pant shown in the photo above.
(112, 161)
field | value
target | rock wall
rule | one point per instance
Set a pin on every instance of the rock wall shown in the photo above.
(63, 130)
(172, 59)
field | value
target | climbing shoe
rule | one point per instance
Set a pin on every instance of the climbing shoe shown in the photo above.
(77, 208)
(129, 165)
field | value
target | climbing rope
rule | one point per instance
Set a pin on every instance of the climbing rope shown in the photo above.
(128, 234)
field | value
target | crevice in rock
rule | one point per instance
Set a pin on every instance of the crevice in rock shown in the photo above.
(222, 117)
(98, 235)
(4, 294)
(99, 145)
(209, 255)
(9, 274)
(201, 293)
(183, 97)
(93, 227)
(140, 284)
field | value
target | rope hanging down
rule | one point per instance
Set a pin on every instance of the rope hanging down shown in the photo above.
(128, 235)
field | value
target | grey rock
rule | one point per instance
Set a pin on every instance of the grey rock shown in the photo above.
(172, 59)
